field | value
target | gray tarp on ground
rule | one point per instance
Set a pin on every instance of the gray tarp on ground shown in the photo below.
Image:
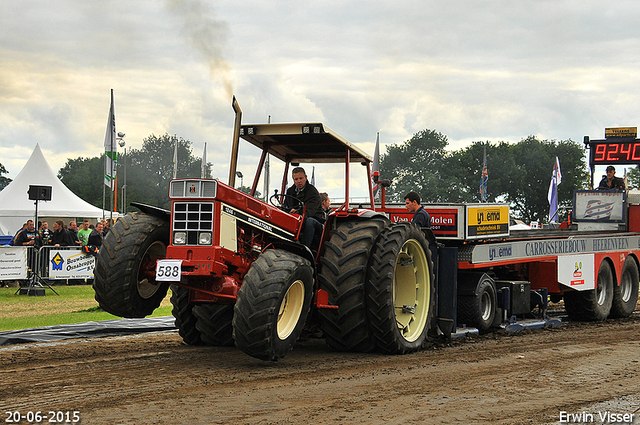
(88, 330)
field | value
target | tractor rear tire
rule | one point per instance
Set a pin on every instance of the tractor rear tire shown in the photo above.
(595, 304)
(273, 303)
(342, 274)
(215, 324)
(183, 313)
(401, 289)
(125, 282)
(625, 295)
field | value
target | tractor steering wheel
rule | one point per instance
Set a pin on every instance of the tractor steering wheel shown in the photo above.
(277, 200)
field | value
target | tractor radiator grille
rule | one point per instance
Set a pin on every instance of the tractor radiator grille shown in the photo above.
(193, 218)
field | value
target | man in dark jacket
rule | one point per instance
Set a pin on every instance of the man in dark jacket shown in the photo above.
(309, 196)
(95, 237)
(73, 231)
(61, 236)
(610, 181)
(420, 216)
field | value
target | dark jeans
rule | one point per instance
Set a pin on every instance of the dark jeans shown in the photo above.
(310, 227)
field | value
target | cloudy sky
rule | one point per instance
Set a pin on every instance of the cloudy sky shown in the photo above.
(472, 70)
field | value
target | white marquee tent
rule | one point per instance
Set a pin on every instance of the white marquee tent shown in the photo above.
(16, 207)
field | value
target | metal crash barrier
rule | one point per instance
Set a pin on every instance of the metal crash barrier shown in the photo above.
(31, 266)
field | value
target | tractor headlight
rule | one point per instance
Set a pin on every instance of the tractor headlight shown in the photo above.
(204, 238)
(179, 238)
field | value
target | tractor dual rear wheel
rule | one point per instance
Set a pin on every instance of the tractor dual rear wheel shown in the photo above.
(125, 282)
(342, 274)
(273, 304)
(401, 289)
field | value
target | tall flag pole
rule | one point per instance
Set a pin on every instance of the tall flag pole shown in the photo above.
(111, 152)
(484, 177)
(375, 169)
(175, 159)
(203, 172)
(556, 179)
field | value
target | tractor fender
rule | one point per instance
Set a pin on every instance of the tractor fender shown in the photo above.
(369, 214)
(153, 211)
(296, 248)
(360, 215)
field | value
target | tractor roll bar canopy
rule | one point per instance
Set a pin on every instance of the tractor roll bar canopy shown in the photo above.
(300, 142)
(295, 143)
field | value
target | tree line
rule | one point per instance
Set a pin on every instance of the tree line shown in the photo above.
(148, 172)
(519, 173)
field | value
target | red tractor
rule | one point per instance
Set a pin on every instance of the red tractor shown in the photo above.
(239, 274)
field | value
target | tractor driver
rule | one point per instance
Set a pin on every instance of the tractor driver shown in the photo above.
(308, 194)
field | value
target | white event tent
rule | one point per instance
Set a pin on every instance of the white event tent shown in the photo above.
(16, 207)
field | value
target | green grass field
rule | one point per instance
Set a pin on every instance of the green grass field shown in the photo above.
(74, 305)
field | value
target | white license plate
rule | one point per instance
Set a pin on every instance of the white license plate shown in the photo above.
(168, 270)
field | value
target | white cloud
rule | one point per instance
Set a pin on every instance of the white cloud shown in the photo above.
(485, 70)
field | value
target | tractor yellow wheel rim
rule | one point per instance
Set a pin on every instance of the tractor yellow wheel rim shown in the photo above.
(290, 309)
(411, 290)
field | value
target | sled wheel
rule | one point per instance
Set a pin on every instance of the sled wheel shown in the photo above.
(273, 304)
(625, 295)
(125, 282)
(595, 304)
(479, 310)
(401, 289)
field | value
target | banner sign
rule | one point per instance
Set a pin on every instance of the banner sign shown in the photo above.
(529, 250)
(486, 220)
(446, 222)
(13, 262)
(459, 221)
(70, 264)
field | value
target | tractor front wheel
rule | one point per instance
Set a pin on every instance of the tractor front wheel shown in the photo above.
(125, 282)
(273, 304)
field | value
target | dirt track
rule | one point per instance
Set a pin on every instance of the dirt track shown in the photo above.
(524, 378)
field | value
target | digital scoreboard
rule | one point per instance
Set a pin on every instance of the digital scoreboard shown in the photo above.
(620, 146)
